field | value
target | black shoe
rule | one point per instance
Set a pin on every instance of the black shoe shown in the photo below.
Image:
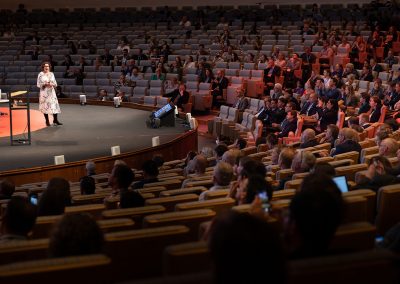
(48, 123)
(57, 123)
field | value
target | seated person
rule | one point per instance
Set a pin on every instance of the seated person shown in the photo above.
(179, 97)
(331, 134)
(150, 173)
(102, 95)
(87, 185)
(363, 120)
(76, 234)
(131, 199)
(121, 178)
(54, 198)
(308, 139)
(242, 102)
(18, 220)
(7, 189)
(347, 141)
(222, 177)
(378, 174)
(289, 124)
(319, 204)
(219, 84)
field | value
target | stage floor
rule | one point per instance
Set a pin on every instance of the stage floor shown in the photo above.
(88, 132)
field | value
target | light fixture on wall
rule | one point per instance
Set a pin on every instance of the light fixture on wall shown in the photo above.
(82, 99)
(117, 102)
(59, 160)
(115, 150)
(155, 141)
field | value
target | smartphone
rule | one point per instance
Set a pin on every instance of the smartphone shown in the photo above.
(264, 200)
(34, 199)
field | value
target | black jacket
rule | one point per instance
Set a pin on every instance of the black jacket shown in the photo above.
(347, 146)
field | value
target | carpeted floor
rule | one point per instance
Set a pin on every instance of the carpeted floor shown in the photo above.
(88, 132)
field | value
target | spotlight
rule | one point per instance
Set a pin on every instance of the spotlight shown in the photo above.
(82, 99)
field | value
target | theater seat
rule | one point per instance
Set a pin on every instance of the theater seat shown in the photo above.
(369, 267)
(388, 208)
(80, 269)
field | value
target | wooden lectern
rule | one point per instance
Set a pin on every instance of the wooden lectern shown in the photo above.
(17, 104)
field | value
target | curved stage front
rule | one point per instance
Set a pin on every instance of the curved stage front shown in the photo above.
(88, 132)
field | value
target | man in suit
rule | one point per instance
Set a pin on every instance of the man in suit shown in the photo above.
(394, 96)
(310, 107)
(219, 84)
(242, 102)
(270, 73)
(375, 66)
(289, 124)
(179, 96)
(364, 103)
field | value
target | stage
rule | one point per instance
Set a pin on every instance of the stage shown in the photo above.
(88, 132)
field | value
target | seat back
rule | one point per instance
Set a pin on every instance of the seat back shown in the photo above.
(233, 114)
(217, 204)
(374, 266)
(138, 253)
(186, 258)
(353, 155)
(169, 202)
(81, 268)
(340, 121)
(223, 112)
(350, 171)
(299, 128)
(23, 250)
(388, 208)
(189, 218)
(383, 114)
(136, 214)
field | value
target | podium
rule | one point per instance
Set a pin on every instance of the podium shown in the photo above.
(18, 105)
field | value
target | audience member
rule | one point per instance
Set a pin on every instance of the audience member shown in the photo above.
(234, 240)
(130, 199)
(18, 219)
(150, 173)
(7, 189)
(121, 178)
(76, 234)
(54, 198)
(222, 176)
(87, 185)
(319, 204)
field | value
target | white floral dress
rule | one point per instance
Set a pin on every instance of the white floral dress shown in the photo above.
(48, 102)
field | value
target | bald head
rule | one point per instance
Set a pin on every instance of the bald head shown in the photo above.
(231, 156)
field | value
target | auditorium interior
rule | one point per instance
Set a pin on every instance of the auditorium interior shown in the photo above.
(212, 142)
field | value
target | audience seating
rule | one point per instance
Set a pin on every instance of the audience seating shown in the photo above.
(136, 214)
(23, 250)
(81, 269)
(190, 218)
(138, 253)
(169, 202)
(186, 258)
(388, 208)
